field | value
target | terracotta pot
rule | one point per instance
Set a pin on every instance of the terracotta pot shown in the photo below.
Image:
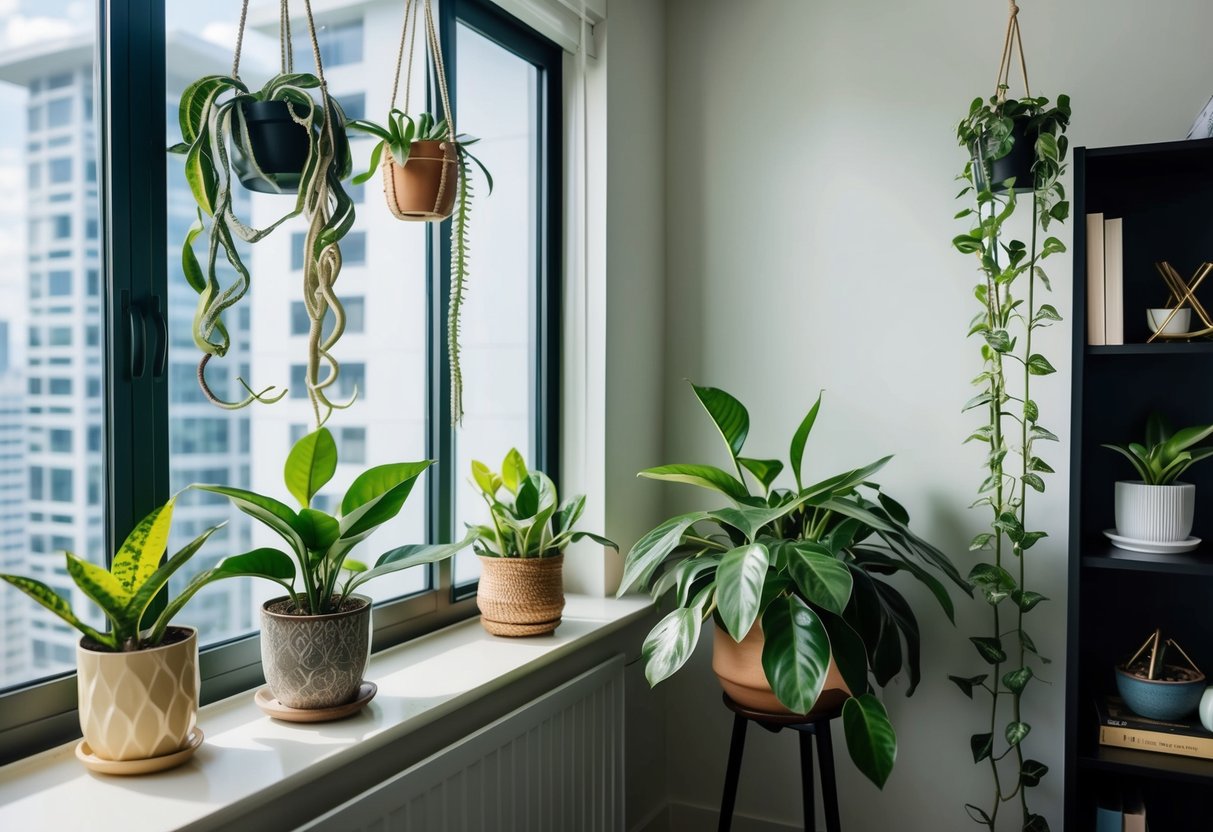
(423, 189)
(315, 661)
(521, 596)
(134, 706)
(739, 669)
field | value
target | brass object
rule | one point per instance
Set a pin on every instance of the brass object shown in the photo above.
(1183, 293)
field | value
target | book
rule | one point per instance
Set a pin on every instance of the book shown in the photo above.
(1121, 728)
(1114, 281)
(1095, 293)
(1108, 814)
(1134, 811)
(1202, 128)
(1113, 712)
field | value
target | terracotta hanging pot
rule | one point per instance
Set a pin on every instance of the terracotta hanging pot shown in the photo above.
(738, 666)
(272, 159)
(423, 189)
(521, 596)
(315, 661)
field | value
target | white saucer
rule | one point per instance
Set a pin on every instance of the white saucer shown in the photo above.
(1152, 547)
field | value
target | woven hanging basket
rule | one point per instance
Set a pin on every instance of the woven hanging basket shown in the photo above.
(521, 596)
(423, 188)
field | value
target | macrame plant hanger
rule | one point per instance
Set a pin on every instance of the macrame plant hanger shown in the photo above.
(449, 159)
(1013, 42)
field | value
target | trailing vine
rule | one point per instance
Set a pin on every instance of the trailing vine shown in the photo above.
(459, 271)
(1010, 271)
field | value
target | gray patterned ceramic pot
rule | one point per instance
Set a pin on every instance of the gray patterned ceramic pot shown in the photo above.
(315, 661)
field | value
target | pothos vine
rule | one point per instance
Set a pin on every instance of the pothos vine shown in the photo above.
(1009, 317)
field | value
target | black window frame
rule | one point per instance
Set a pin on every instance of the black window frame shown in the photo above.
(129, 86)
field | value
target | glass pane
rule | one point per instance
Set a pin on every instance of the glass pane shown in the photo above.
(50, 350)
(496, 97)
(382, 282)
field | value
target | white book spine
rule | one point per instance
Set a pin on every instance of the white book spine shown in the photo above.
(1095, 282)
(1114, 281)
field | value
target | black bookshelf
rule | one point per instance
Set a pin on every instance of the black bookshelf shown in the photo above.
(1164, 193)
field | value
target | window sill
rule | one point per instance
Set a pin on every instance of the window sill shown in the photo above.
(248, 758)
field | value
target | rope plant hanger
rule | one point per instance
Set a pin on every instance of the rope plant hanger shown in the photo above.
(425, 170)
(283, 142)
(1016, 149)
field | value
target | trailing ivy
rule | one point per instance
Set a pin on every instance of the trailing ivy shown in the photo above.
(1010, 273)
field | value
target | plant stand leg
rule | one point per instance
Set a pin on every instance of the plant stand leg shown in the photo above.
(829, 787)
(806, 779)
(732, 774)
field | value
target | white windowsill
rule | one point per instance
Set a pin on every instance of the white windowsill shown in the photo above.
(247, 753)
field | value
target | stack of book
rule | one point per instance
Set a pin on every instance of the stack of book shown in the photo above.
(1120, 727)
(1105, 280)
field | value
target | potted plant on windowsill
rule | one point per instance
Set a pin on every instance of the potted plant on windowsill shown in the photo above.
(132, 719)
(521, 549)
(315, 639)
(795, 581)
(1158, 509)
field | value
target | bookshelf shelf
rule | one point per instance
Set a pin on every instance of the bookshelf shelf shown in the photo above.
(1198, 562)
(1126, 761)
(1166, 348)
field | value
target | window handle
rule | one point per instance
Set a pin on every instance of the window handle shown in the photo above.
(136, 336)
(159, 320)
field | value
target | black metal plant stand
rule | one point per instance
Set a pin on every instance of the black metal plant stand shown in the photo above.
(815, 725)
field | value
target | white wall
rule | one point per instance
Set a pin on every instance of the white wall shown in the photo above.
(809, 173)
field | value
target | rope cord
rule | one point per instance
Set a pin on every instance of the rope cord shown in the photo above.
(239, 39)
(1013, 41)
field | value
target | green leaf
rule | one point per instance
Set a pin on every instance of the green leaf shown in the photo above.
(484, 478)
(1038, 365)
(564, 519)
(704, 476)
(822, 579)
(278, 516)
(406, 557)
(978, 815)
(999, 340)
(1016, 732)
(870, 737)
(1035, 823)
(1031, 772)
(739, 582)
(764, 470)
(1016, 680)
(671, 643)
(652, 549)
(105, 591)
(847, 650)
(140, 554)
(966, 684)
(981, 746)
(513, 471)
(318, 530)
(728, 414)
(796, 655)
(801, 438)
(995, 582)
(374, 483)
(355, 566)
(981, 542)
(47, 597)
(310, 464)
(1026, 599)
(1052, 245)
(1034, 481)
(139, 602)
(1047, 312)
(989, 648)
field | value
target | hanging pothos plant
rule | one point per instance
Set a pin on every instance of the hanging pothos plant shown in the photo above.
(281, 140)
(1000, 133)
(426, 175)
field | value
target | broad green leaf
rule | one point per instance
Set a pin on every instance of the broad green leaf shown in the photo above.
(1016, 680)
(378, 481)
(513, 471)
(1017, 731)
(796, 655)
(739, 582)
(48, 598)
(902, 614)
(568, 515)
(1026, 599)
(764, 470)
(870, 737)
(355, 566)
(652, 549)
(139, 602)
(966, 684)
(978, 815)
(406, 557)
(671, 643)
(728, 414)
(843, 484)
(1031, 772)
(848, 652)
(704, 476)
(1035, 823)
(310, 464)
(318, 530)
(140, 553)
(278, 516)
(989, 648)
(597, 538)
(822, 579)
(102, 587)
(994, 581)
(1038, 365)
(981, 746)
(483, 477)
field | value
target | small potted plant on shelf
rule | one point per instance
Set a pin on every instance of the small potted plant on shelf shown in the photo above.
(1155, 513)
(137, 683)
(1157, 688)
(315, 639)
(521, 549)
(794, 580)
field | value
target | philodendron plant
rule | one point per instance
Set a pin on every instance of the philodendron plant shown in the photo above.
(526, 518)
(124, 592)
(320, 544)
(809, 562)
(1166, 454)
(213, 120)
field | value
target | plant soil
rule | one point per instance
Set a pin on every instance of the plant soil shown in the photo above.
(284, 606)
(172, 635)
(1169, 673)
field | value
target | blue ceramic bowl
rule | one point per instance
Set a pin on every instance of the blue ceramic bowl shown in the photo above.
(1168, 701)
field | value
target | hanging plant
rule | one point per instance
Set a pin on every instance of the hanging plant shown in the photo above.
(1016, 147)
(426, 175)
(281, 140)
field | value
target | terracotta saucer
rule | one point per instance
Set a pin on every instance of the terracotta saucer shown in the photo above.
(152, 764)
(273, 708)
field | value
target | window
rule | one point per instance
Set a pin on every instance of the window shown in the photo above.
(61, 485)
(33, 178)
(354, 105)
(60, 170)
(60, 441)
(58, 113)
(59, 283)
(351, 445)
(355, 313)
(340, 44)
(61, 227)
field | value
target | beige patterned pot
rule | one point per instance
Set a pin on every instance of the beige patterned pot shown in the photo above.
(521, 596)
(739, 669)
(138, 705)
(315, 661)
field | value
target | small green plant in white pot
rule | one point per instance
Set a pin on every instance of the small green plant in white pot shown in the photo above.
(1158, 508)
(128, 715)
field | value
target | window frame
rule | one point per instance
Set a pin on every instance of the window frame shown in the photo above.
(129, 88)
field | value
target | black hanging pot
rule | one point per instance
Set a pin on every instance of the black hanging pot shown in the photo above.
(276, 151)
(1017, 163)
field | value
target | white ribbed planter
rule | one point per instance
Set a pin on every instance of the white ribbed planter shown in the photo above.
(1158, 513)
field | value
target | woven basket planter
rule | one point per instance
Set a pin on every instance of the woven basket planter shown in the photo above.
(521, 596)
(423, 189)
